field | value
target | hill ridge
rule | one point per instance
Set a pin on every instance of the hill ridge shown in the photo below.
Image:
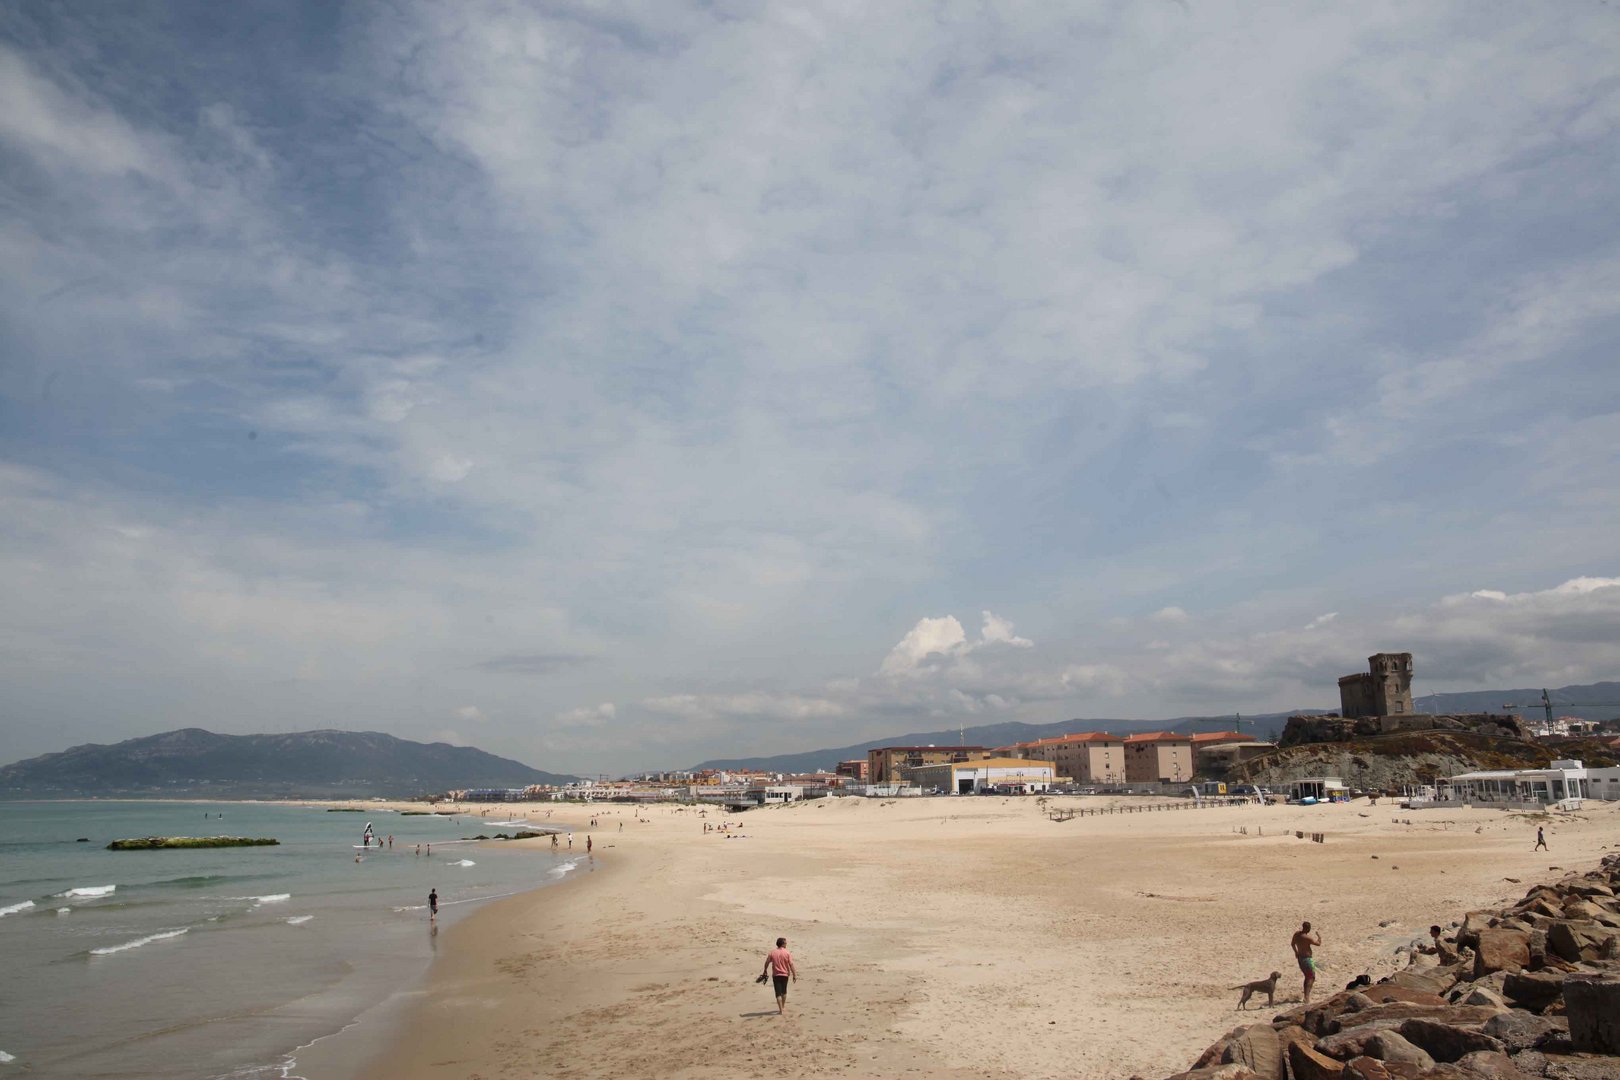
(323, 762)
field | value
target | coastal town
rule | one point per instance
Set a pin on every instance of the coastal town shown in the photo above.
(1375, 706)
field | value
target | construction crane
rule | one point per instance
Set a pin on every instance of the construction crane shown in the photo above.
(1547, 706)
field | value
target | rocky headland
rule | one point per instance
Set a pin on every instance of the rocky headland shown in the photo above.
(1531, 990)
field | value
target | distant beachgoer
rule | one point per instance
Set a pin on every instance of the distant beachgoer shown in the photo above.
(419, 849)
(587, 845)
(390, 841)
(779, 966)
(357, 856)
(553, 839)
(433, 903)
(1541, 841)
(570, 841)
(430, 849)
(1302, 943)
(621, 826)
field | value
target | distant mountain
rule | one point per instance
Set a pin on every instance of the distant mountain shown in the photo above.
(1263, 726)
(192, 762)
(1596, 701)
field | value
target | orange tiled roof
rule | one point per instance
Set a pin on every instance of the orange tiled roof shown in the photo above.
(1158, 736)
(1221, 736)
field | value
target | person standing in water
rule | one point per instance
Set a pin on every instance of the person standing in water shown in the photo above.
(433, 904)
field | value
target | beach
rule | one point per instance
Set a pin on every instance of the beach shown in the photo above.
(948, 937)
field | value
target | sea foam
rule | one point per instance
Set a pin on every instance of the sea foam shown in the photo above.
(138, 942)
(463, 862)
(89, 891)
(299, 920)
(14, 908)
(5, 1058)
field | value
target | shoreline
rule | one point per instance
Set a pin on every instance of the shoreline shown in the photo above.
(1041, 948)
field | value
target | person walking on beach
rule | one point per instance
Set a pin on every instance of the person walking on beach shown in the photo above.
(587, 845)
(433, 904)
(779, 966)
(570, 841)
(1541, 841)
(1303, 941)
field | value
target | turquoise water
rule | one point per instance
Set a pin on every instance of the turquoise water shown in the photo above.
(220, 962)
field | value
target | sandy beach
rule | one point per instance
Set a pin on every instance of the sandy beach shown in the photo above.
(935, 937)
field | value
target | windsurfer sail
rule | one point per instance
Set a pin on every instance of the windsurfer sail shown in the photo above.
(367, 837)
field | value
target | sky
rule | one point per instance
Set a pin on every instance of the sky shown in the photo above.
(615, 386)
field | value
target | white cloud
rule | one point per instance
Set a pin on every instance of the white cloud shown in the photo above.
(1173, 615)
(469, 713)
(943, 638)
(587, 715)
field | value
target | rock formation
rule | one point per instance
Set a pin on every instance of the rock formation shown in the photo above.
(1534, 992)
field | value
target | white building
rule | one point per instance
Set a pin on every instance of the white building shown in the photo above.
(1012, 775)
(1603, 784)
(1562, 782)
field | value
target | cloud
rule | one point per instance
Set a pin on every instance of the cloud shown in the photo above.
(943, 638)
(469, 713)
(587, 716)
(532, 663)
(490, 340)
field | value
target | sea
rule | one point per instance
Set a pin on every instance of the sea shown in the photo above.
(224, 962)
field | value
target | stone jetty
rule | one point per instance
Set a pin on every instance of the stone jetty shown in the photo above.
(1531, 990)
(155, 843)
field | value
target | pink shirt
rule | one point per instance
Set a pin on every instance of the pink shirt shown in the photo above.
(781, 961)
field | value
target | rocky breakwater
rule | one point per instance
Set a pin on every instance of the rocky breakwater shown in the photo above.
(158, 843)
(1532, 990)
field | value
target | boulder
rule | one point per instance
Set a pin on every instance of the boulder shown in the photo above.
(1370, 1068)
(1534, 990)
(1376, 1041)
(1579, 1067)
(1518, 1030)
(1593, 1005)
(1215, 1053)
(1577, 941)
(1397, 1013)
(1257, 1048)
(1215, 1072)
(1480, 994)
(1384, 993)
(1443, 1041)
(1473, 923)
(1393, 1046)
(1492, 1065)
(1307, 1064)
(1501, 950)
(1435, 980)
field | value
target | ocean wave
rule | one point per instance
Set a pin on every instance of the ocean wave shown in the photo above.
(63, 910)
(463, 862)
(562, 868)
(138, 942)
(89, 891)
(298, 920)
(14, 908)
(410, 907)
(271, 898)
(5, 1058)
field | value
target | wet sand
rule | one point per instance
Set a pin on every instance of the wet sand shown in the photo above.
(936, 937)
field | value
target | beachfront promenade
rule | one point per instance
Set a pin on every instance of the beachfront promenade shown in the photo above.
(942, 937)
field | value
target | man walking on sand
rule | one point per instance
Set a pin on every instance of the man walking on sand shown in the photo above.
(779, 966)
(1302, 943)
(1541, 841)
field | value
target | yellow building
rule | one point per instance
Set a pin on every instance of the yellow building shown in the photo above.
(1092, 757)
(885, 764)
(1158, 757)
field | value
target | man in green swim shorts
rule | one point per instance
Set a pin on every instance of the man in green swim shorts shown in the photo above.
(1302, 943)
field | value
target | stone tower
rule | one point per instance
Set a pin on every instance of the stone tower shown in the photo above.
(1384, 689)
(1392, 682)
